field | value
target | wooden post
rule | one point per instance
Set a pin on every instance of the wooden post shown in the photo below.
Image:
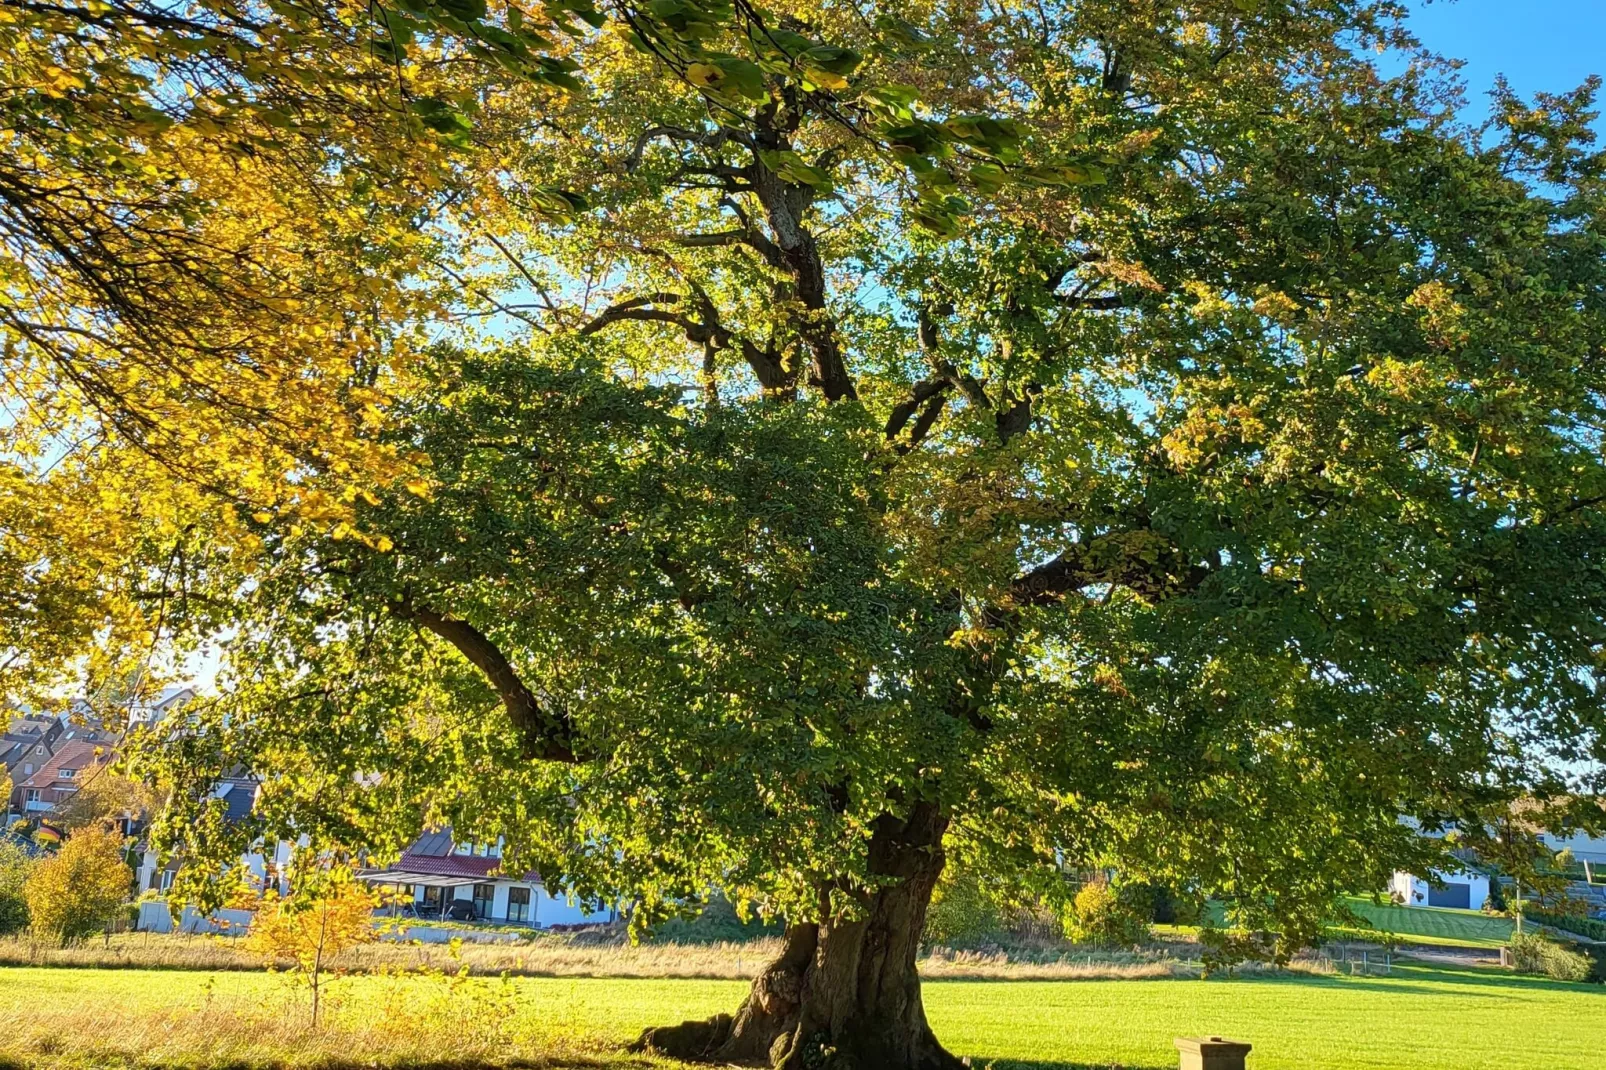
(1211, 1053)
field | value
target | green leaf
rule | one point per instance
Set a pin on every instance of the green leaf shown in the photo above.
(1063, 174)
(790, 167)
(467, 10)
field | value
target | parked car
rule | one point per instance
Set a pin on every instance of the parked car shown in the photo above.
(460, 910)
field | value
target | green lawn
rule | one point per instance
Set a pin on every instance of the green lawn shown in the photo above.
(1410, 925)
(1434, 925)
(1419, 1019)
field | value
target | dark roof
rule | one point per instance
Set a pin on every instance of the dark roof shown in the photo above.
(433, 844)
(28, 847)
(434, 854)
(476, 866)
(239, 800)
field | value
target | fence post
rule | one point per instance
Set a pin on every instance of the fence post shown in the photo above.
(1211, 1053)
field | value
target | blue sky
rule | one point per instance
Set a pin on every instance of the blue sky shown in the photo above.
(1547, 45)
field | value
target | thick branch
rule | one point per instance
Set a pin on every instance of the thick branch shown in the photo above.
(635, 308)
(1107, 560)
(904, 410)
(546, 735)
(1102, 303)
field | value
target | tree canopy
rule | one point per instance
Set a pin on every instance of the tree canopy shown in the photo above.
(776, 449)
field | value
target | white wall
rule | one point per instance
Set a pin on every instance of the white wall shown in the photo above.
(1415, 892)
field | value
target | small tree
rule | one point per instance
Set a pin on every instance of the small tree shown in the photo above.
(312, 928)
(1107, 916)
(15, 865)
(105, 800)
(75, 892)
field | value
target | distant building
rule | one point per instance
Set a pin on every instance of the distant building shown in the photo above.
(1463, 888)
(267, 866)
(66, 770)
(29, 741)
(436, 872)
(169, 701)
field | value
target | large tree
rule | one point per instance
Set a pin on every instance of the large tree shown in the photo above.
(1084, 434)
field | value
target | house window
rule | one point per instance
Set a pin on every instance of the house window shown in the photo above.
(484, 894)
(33, 795)
(27, 768)
(432, 897)
(167, 879)
(518, 904)
(68, 774)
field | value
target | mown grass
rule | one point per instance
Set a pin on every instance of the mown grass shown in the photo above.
(1432, 925)
(1420, 1018)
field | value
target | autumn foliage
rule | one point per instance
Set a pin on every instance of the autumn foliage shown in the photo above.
(80, 889)
(312, 930)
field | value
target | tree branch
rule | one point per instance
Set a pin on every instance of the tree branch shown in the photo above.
(1107, 560)
(1103, 303)
(923, 392)
(546, 735)
(635, 308)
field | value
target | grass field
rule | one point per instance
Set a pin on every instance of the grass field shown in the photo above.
(1419, 1019)
(1433, 925)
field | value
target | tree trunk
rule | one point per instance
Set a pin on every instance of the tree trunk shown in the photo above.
(842, 995)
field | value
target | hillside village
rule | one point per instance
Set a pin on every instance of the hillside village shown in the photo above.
(51, 757)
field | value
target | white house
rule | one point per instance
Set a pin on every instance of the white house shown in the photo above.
(436, 871)
(1464, 888)
(268, 865)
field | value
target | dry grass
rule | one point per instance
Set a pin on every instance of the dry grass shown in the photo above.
(590, 955)
(547, 955)
(422, 1023)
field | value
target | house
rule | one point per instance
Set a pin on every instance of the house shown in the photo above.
(436, 871)
(63, 772)
(167, 702)
(268, 868)
(1460, 887)
(24, 735)
(1589, 851)
(28, 743)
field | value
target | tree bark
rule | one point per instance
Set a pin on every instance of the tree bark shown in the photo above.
(843, 994)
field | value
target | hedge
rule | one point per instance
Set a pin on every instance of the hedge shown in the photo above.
(1595, 930)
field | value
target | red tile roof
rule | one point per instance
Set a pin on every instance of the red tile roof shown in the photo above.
(76, 754)
(455, 865)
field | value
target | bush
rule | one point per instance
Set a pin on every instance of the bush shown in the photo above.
(1105, 916)
(961, 911)
(1595, 930)
(80, 889)
(1224, 949)
(1535, 954)
(716, 923)
(15, 865)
